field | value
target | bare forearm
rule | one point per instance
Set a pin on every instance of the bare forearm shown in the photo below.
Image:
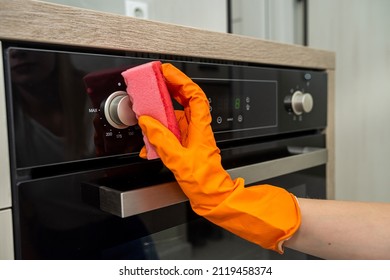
(343, 230)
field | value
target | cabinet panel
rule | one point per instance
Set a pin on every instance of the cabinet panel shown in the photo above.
(5, 186)
(6, 235)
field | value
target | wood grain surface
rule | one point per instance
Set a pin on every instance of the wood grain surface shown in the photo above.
(36, 21)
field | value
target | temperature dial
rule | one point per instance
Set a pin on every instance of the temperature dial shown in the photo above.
(118, 110)
(299, 102)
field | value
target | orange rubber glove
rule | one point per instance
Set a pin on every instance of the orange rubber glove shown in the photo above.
(264, 214)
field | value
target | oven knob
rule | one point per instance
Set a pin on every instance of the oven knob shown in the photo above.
(118, 110)
(301, 102)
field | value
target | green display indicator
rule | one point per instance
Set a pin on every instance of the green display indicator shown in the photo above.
(237, 103)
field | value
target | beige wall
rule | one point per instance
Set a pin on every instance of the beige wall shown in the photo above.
(205, 14)
(276, 20)
(358, 31)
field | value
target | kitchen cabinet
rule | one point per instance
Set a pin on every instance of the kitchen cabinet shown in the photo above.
(6, 240)
(6, 235)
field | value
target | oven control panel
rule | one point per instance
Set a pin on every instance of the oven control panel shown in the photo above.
(250, 101)
(88, 113)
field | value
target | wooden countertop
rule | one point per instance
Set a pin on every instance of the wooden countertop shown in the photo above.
(36, 21)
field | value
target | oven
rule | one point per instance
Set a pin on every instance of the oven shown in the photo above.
(79, 188)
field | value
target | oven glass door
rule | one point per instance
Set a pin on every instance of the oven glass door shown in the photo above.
(200, 239)
(119, 213)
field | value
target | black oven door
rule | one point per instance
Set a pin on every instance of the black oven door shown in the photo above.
(117, 213)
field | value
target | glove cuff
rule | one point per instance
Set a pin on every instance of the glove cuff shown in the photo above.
(264, 214)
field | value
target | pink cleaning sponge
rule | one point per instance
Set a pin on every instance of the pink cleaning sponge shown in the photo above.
(150, 96)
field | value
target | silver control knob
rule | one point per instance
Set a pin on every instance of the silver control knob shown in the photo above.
(118, 110)
(301, 102)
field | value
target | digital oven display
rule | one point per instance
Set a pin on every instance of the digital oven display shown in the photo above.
(241, 104)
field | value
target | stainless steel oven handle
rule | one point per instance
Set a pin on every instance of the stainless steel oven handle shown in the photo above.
(265, 170)
(133, 202)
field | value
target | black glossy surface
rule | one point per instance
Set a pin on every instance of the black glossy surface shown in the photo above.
(60, 141)
(56, 100)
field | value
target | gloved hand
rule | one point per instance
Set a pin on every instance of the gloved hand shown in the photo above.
(264, 214)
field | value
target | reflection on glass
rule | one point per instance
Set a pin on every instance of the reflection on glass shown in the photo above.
(49, 108)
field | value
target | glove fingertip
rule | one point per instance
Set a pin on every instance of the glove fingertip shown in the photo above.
(143, 153)
(159, 136)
